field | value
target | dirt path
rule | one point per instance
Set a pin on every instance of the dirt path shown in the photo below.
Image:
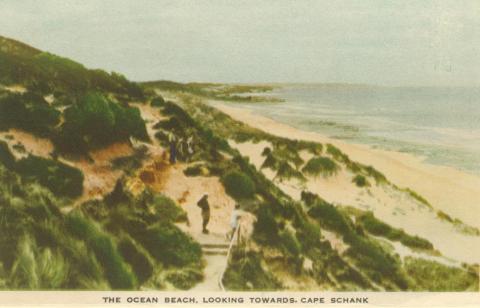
(186, 191)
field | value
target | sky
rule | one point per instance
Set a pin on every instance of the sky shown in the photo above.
(397, 43)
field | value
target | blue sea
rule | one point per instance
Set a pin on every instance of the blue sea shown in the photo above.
(440, 124)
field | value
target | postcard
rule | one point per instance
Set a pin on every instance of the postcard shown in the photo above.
(239, 153)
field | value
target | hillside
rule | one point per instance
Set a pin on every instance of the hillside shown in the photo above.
(89, 199)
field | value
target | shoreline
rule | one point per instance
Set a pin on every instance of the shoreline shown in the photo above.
(448, 189)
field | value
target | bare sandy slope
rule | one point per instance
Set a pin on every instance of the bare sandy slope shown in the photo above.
(447, 189)
(100, 177)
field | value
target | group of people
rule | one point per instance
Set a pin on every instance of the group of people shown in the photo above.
(182, 148)
(237, 213)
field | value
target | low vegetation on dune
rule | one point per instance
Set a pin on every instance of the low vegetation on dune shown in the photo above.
(46, 73)
(97, 121)
(379, 228)
(323, 166)
(129, 241)
(432, 276)
(297, 234)
(238, 185)
(61, 179)
(117, 243)
(29, 112)
(360, 181)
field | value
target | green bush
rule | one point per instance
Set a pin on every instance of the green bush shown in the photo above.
(158, 101)
(266, 228)
(378, 176)
(29, 112)
(53, 270)
(166, 210)
(337, 154)
(360, 181)
(435, 277)
(378, 263)
(117, 272)
(270, 162)
(285, 171)
(290, 243)
(96, 121)
(6, 156)
(24, 272)
(379, 228)
(61, 179)
(320, 166)
(238, 185)
(247, 273)
(195, 170)
(330, 217)
(137, 257)
(169, 245)
(184, 279)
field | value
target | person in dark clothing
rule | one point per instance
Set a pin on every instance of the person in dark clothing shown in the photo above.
(203, 204)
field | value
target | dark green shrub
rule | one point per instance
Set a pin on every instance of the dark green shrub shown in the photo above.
(238, 185)
(117, 272)
(308, 235)
(330, 217)
(23, 272)
(29, 112)
(337, 154)
(270, 162)
(166, 210)
(131, 162)
(169, 245)
(61, 179)
(360, 181)
(195, 170)
(247, 273)
(432, 276)
(266, 228)
(184, 279)
(379, 264)
(287, 172)
(379, 228)
(96, 121)
(6, 156)
(378, 176)
(290, 243)
(137, 257)
(158, 101)
(320, 166)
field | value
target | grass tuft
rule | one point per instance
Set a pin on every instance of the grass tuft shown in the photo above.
(320, 166)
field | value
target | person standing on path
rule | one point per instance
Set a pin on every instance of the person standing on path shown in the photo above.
(234, 221)
(203, 204)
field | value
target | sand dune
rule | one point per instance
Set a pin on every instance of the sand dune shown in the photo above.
(389, 204)
(452, 191)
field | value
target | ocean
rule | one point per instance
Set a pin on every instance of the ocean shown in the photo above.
(442, 125)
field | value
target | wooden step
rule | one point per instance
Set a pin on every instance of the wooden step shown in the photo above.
(215, 245)
(215, 251)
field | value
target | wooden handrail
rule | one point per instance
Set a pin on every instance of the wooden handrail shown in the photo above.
(235, 236)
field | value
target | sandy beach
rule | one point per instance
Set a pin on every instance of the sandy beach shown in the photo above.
(447, 189)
